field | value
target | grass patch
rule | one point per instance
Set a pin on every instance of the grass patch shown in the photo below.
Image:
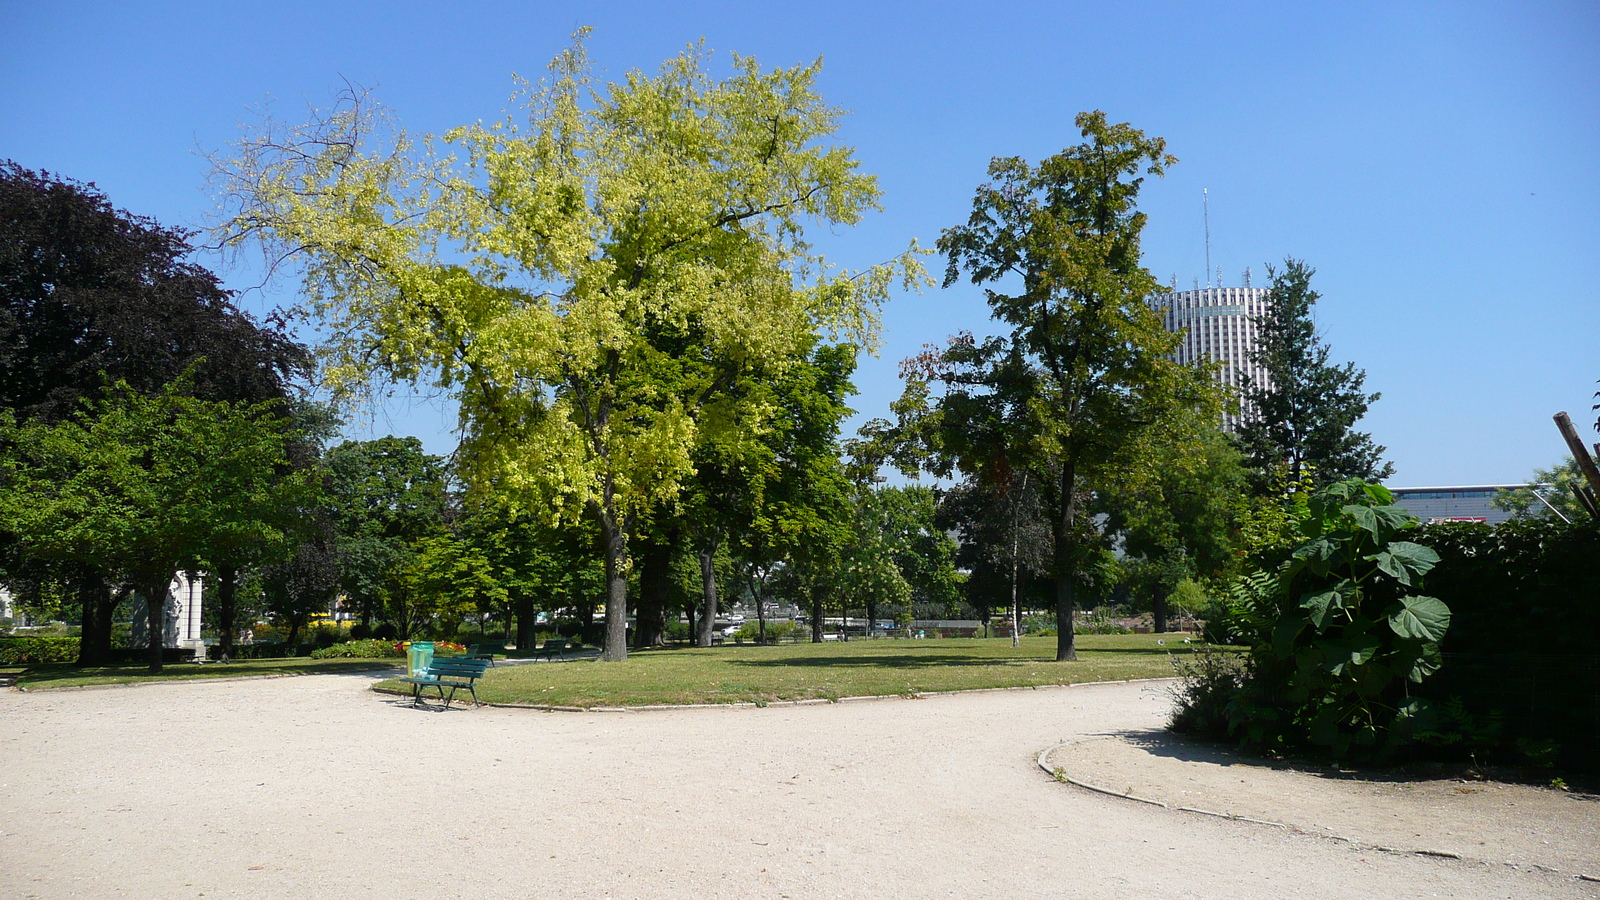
(65, 675)
(825, 671)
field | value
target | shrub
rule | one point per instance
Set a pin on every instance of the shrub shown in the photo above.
(359, 632)
(678, 631)
(1519, 665)
(363, 649)
(262, 650)
(1339, 633)
(27, 651)
(1208, 680)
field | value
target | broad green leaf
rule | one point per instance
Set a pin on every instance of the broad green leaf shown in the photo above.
(1420, 619)
(1365, 518)
(1404, 561)
(1319, 603)
(1284, 635)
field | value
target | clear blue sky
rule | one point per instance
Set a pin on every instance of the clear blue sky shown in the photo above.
(1434, 161)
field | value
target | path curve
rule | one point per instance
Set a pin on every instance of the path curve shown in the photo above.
(316, 787)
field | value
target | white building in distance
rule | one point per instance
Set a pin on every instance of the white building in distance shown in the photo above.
(1219, 324)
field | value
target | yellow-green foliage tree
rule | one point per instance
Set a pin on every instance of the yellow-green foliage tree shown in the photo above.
(587, 282)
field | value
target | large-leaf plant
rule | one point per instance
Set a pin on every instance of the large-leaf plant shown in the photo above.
(1351, 634)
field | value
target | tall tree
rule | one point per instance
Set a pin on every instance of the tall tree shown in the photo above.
(585, 283)
(1082, 375)
(90, 296)
(1305, 414)
(137, 487)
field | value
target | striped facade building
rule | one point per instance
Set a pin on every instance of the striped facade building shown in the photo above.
(1218, 324)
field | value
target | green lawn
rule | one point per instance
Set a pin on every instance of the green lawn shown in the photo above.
(63, 675)
(734, 674)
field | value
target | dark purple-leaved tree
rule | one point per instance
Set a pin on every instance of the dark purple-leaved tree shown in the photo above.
(90, 296)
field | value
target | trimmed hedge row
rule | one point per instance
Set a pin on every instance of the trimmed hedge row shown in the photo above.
(1521, 655)
(27, 651)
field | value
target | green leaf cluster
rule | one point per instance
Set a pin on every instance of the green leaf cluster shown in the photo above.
(1342, 630)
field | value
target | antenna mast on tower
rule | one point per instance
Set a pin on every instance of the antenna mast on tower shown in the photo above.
(1205, 204)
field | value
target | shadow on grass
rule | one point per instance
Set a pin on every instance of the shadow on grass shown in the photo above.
(896, 661)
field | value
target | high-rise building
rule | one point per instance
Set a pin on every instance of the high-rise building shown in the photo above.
(1219, 324)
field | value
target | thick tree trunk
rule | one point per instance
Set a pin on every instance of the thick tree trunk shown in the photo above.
(527, 620)
(655, 590)
(615, 544)
(1066, 566)
(155, 604)
(1158, 612)
(94, 646)
(227, 610)
(708, 594)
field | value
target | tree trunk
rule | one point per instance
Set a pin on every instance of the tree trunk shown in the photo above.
(761, 620)
(527, 620)
(655, 589)
(1066, 566)
(1158, 611)
(94, 646)
(227, 588)
(615, 545)
(872, 615)
(155, 604)
(816, 614)
(708, 593)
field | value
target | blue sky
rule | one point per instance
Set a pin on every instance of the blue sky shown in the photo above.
(1434, 161)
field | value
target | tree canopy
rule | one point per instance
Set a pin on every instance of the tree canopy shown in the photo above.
(1305, 413)
(586, 282)
(1081, 386)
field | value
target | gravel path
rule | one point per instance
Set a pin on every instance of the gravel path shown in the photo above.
(315, 787)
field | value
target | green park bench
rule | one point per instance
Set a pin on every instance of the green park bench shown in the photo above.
(552, 648)
(450, 672)
(485, 651)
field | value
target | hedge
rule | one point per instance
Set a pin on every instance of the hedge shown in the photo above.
(25, 651)
(1521, 654)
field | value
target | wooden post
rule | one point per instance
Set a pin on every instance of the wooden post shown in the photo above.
(1586, 464)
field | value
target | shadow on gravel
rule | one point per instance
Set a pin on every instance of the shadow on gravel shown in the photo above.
(1176, 746)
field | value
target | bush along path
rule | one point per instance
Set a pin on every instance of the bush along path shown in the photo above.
(1340, 634)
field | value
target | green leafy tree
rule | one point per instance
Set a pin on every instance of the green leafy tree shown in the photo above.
(1305, 414)
(1005, 544)
(586, 282)
(905, 520)
(386, 495)
(1083, 373)
(137, 487)
(1552, 495)
(1175, 509)
(91, 296)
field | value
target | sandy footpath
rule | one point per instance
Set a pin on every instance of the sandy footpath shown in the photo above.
(315, 787)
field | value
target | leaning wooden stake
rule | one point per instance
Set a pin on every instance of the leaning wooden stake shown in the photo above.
(1587, 496)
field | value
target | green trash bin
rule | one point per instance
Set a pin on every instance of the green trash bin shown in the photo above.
(419, 657)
